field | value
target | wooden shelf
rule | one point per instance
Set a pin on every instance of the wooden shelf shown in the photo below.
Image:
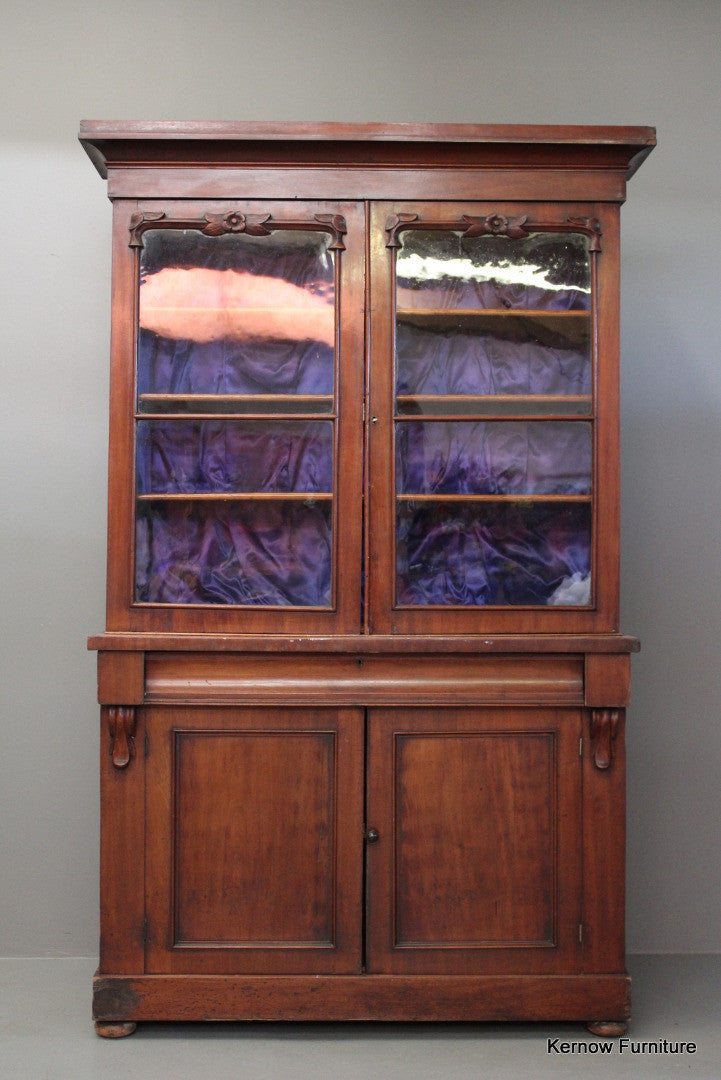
(246, 406)
(201, 398)
(238, 496)
(433, 497)
(549, 327)
(495, 406)
(236, 309)
(562, 399)
(494, 313)
(236, 416)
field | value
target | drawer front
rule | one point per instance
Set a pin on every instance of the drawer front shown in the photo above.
(368, 680)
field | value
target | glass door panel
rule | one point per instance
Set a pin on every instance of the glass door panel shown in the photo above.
(236, 314)
(497, 269)
(275, 554)
(493, 414)
(493, 316)
(476, 553)
(494, 458)
(236, 421)
(178, 455)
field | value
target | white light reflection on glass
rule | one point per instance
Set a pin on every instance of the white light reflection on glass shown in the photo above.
(414, 267)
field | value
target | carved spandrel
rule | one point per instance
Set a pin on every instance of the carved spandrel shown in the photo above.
(233, 221)
(494, 225)
(604, 728)
(397, 222)
(140, 222)
(121, 723)
(591, 226)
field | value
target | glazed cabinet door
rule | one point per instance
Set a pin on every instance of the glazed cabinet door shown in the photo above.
(493, 400)
(254, 822)
(237, 423)
(477, 863)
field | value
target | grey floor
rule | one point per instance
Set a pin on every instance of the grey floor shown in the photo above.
(46, 1034)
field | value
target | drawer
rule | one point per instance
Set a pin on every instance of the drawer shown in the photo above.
(364, 679)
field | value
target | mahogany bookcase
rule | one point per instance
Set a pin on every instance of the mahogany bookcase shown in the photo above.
(362, 683)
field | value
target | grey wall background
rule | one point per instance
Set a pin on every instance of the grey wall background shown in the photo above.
(515, 61)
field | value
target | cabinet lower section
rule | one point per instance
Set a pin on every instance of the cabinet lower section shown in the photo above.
(370, 848)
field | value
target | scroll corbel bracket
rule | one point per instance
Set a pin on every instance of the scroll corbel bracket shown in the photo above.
(121, 724)
(604, 727)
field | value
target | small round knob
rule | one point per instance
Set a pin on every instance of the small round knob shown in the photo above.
(372, 836)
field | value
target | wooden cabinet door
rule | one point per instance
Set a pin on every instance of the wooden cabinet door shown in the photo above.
(254, 840)
(477, 864)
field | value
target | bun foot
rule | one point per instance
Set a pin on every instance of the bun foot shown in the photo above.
(607, 1029)
(114, 1030)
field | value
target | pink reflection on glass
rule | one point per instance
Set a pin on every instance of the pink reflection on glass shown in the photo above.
(203, 305)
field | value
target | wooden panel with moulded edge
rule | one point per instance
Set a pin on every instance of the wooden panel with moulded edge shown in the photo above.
(607, 680)
(121, 678)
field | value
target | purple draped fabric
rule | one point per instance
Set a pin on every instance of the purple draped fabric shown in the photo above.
(453, 362)
(274, 554)
(493, 457)
(471, 554)
(170, 366)
(478, 554)
(202, 456)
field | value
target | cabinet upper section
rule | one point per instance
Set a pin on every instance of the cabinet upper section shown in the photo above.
(337, 410)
